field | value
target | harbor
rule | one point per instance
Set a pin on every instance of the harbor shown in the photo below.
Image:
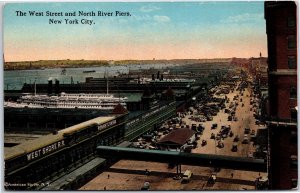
(215, 111)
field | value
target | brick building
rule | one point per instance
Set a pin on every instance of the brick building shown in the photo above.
(281, 29)
(258, 68)
(242, 62)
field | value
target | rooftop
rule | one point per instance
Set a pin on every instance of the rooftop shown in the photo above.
(45, 140)
(133, 97)
(56, 111)
(177, 137)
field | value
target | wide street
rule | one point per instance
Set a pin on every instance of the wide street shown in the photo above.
(131, 175)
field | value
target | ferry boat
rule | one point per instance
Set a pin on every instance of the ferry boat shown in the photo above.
(89, 71)
(64, 100)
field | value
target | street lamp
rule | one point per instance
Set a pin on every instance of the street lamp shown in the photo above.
(215, 146)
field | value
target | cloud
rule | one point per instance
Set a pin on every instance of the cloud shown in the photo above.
(142, 17)
(246, 17)
(161, 18)
(149, 8)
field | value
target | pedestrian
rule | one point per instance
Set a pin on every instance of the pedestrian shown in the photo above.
(104, 188)
(231, 175)
(108, 176)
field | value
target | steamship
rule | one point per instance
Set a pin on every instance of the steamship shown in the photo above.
(64, 100)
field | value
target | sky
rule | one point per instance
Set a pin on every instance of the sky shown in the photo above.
(160, 30)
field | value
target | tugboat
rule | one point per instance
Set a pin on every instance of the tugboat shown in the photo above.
(63, 71)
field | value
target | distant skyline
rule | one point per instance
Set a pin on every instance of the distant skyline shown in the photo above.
(160, 30)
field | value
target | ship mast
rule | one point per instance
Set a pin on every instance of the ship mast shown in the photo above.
(107, 86)
(106, 75)
(34, 87)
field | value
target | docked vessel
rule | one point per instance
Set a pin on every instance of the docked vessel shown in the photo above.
(89, 71)
(64, 100)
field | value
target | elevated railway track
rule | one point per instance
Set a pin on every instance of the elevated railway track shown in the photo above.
(205, 160)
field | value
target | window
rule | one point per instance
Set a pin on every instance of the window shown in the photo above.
(293, 92)
(294, 183)
(12, 124)
(292, 62)
(293, 140)
(293, 114)
(31, 125)
(50, 125)
(291, 22)
(291, 42)
(294, 164)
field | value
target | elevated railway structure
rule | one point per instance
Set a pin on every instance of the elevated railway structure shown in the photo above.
(206, 160)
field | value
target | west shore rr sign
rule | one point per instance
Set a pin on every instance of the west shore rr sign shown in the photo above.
(45, 150)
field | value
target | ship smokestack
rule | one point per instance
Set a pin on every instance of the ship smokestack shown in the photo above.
(56, 88)
(49, 86)
(34, 88)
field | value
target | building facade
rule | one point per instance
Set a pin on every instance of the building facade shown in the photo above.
(281, 29)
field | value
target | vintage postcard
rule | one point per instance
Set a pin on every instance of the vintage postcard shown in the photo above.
(134, 96)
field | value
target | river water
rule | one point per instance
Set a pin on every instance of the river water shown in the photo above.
(14, 80)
